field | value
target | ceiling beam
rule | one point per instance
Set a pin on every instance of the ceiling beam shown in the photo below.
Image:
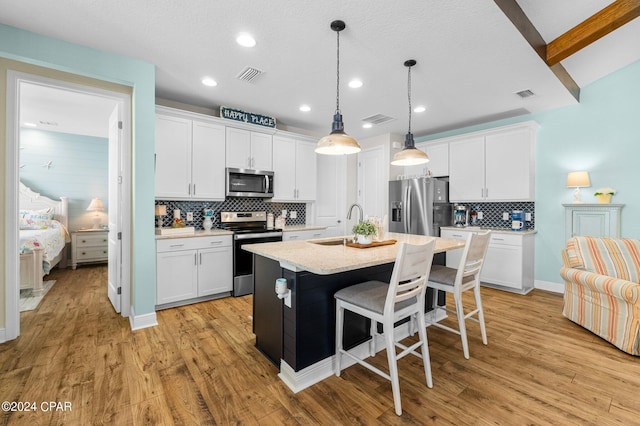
(591, 29)
(516, 15)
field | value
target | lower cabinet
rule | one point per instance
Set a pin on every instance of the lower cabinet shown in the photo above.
(192, 268)
(307, 234)
(509, 261)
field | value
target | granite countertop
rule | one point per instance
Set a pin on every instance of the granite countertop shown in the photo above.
(489, 228)
(201, 233)
(292, 228)
(330, 259)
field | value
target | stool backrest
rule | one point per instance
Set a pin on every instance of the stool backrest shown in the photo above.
(410, 274)
(473, 256)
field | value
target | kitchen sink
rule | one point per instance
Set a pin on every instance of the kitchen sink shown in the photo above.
(333, 242)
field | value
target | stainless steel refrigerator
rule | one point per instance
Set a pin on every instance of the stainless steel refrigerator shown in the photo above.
(419, 206)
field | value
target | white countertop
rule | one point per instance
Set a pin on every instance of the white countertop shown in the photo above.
(489, 228)
(293, 228)
(325, 260)
(202, 233)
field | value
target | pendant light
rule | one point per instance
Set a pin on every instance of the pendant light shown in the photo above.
(410, 155)
(337, 142)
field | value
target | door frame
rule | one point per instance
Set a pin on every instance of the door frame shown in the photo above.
(12, 270)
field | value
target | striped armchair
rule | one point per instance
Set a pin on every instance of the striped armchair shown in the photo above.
(602, 290)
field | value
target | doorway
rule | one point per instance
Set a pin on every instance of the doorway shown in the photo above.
(119, 188)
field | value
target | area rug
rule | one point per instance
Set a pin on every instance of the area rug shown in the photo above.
(28, 302)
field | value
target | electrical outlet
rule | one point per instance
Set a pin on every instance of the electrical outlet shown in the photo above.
(284, 213)
(189, 216)
(527, 217)
(480, 216)
(505, 216)
(293, 214)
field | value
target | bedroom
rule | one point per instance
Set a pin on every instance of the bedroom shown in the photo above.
(64, 151)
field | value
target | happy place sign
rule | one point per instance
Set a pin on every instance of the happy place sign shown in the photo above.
(247, 117)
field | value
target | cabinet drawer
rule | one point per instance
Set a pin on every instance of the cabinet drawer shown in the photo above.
(194, 243)
(91, 253)
(505, 239)
(91, 241)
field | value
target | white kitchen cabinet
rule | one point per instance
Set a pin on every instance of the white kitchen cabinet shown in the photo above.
(294, 167)
(438, 163)
(193, 268)
(307, 234)
(509, 261)
(596, 220)
(189, 157)
(248, 150)
(494, 165)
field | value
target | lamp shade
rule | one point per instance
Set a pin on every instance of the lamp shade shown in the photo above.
(161, 210)
(95, 205)
(578, 179)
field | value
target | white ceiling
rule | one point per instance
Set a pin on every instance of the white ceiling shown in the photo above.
(471, 59)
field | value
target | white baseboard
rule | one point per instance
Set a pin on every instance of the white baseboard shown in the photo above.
(3, 335)
(139, 322)
(549, 286)
(299, 380)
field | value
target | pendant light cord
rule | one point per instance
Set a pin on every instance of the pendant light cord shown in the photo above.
(338, 73)
(409, 96)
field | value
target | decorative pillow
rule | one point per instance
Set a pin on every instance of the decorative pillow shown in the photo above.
(36, 219)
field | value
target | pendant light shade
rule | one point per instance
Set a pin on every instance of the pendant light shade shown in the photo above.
(410, 155)
(337, 142)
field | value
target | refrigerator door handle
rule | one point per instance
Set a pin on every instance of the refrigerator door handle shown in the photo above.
(407, 209)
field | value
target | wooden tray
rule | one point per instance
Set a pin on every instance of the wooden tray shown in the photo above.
(373, 244)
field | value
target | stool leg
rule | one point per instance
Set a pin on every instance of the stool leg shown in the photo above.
(372, 343)
(426, 358)
(393, 366)
(463, 329)
(483, 329)
(339, 325)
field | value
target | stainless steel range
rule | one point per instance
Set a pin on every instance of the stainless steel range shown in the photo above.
(247, 228)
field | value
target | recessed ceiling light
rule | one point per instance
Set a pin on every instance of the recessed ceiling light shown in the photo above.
(245, 40)
(28, 124)
(207, 81)
(305, 108)
(419, 109)
(355, 83)
(367, 125)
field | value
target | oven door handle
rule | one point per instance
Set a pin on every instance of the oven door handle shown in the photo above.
(260, 235)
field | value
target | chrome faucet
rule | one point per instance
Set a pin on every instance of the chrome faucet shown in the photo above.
(361, 215)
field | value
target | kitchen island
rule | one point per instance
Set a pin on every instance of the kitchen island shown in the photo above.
(297, 335)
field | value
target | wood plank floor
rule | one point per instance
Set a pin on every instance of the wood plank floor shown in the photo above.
(199, 366)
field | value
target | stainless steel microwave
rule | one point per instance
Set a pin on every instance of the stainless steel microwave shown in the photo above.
(249, 183)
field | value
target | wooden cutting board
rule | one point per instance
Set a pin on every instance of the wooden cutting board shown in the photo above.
(373, 244)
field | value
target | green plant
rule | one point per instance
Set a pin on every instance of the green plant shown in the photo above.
(365, 228)
(603, 191)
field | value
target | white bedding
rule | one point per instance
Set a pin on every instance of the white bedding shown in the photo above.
(51, 239)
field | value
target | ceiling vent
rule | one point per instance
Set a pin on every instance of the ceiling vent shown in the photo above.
(525, 93)
(378, 119)
(249, 74)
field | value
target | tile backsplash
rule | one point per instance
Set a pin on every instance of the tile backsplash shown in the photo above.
(230, 204)
(492, 213)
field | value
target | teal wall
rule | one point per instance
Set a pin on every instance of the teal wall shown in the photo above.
(47, 52)
(56, 164)
(601, 135)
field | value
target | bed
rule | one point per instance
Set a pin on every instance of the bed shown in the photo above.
(43, 237)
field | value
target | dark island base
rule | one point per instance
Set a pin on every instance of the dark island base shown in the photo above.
(304, 333)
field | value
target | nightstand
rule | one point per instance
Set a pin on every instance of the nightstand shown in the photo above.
(89, 246)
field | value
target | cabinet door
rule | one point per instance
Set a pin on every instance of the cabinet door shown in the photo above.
(466, 169)
(261, 151)
(208, 174)
(510, 166)
(173, 157)
(592, 223)
(238, 152)
(215, 273)
(305, 171)
(331, 194)
(284, 168)
(503, 265)
(438, 159)
(176, 277)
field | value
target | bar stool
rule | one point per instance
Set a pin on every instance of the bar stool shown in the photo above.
(403, 297)
(458, 280)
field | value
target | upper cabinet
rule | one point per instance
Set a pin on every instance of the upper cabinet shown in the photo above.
(495, 165)
(294, 167)
(438, 163)
(248, 150)
(189, 157)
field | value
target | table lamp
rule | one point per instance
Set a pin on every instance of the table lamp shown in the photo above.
(161, 210)
(96, 206)
(578, 180)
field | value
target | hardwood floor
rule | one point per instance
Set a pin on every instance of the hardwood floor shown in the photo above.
(199, 366)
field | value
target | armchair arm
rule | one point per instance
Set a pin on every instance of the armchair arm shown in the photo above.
(621, 289)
